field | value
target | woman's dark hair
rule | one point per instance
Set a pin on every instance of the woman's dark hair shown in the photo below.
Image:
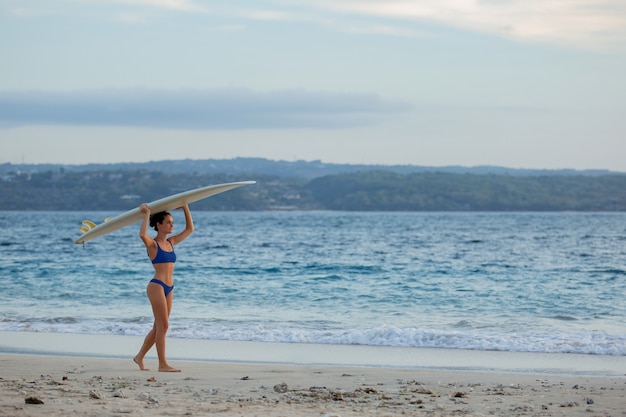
(158, 218)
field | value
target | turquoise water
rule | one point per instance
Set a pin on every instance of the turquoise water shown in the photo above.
(524, 282)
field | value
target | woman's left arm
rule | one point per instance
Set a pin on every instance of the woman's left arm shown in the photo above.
(189, 227)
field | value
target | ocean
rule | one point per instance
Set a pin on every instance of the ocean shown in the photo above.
(515, 282)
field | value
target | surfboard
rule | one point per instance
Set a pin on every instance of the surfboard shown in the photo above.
(91, 230)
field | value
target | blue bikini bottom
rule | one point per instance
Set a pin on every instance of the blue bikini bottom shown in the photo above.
(166, 288)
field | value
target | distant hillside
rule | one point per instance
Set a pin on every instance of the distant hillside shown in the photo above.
(117, 190)
(388, 191)
(282, 169)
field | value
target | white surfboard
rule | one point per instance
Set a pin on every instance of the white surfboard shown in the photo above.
(91, 230)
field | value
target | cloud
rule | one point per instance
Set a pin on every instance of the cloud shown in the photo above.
(587, 24)
(591, 24)
(196, 109)
(581, 23)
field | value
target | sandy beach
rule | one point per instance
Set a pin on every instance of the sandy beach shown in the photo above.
(64, 385)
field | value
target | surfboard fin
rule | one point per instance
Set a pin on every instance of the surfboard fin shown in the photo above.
(84, 229)
(89, 224)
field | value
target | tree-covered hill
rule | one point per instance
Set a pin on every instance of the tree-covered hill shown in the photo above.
(282, 169)
(380, 190)
(383, 190)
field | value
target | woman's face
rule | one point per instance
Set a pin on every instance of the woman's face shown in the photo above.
(167, 225)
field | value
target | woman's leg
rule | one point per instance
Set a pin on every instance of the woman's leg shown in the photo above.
(148, 342)
(160, 304)
(161, 308)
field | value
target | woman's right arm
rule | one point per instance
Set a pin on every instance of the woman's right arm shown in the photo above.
(143, 230)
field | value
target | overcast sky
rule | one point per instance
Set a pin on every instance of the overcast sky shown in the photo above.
(515, 83)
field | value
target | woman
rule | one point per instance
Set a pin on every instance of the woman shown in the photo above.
(160, 289)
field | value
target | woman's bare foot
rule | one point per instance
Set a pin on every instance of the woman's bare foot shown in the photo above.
(168, 369)
(140, 364)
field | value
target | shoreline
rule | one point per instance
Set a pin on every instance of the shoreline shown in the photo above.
(299, 354)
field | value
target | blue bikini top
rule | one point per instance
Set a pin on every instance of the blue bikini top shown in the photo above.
(162, 256)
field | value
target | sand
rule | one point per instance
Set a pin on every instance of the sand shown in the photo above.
(46, 385)
(59, 374)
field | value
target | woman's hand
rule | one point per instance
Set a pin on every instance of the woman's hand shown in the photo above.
(144, 208)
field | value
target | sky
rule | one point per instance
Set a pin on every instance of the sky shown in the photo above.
(536, 84)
